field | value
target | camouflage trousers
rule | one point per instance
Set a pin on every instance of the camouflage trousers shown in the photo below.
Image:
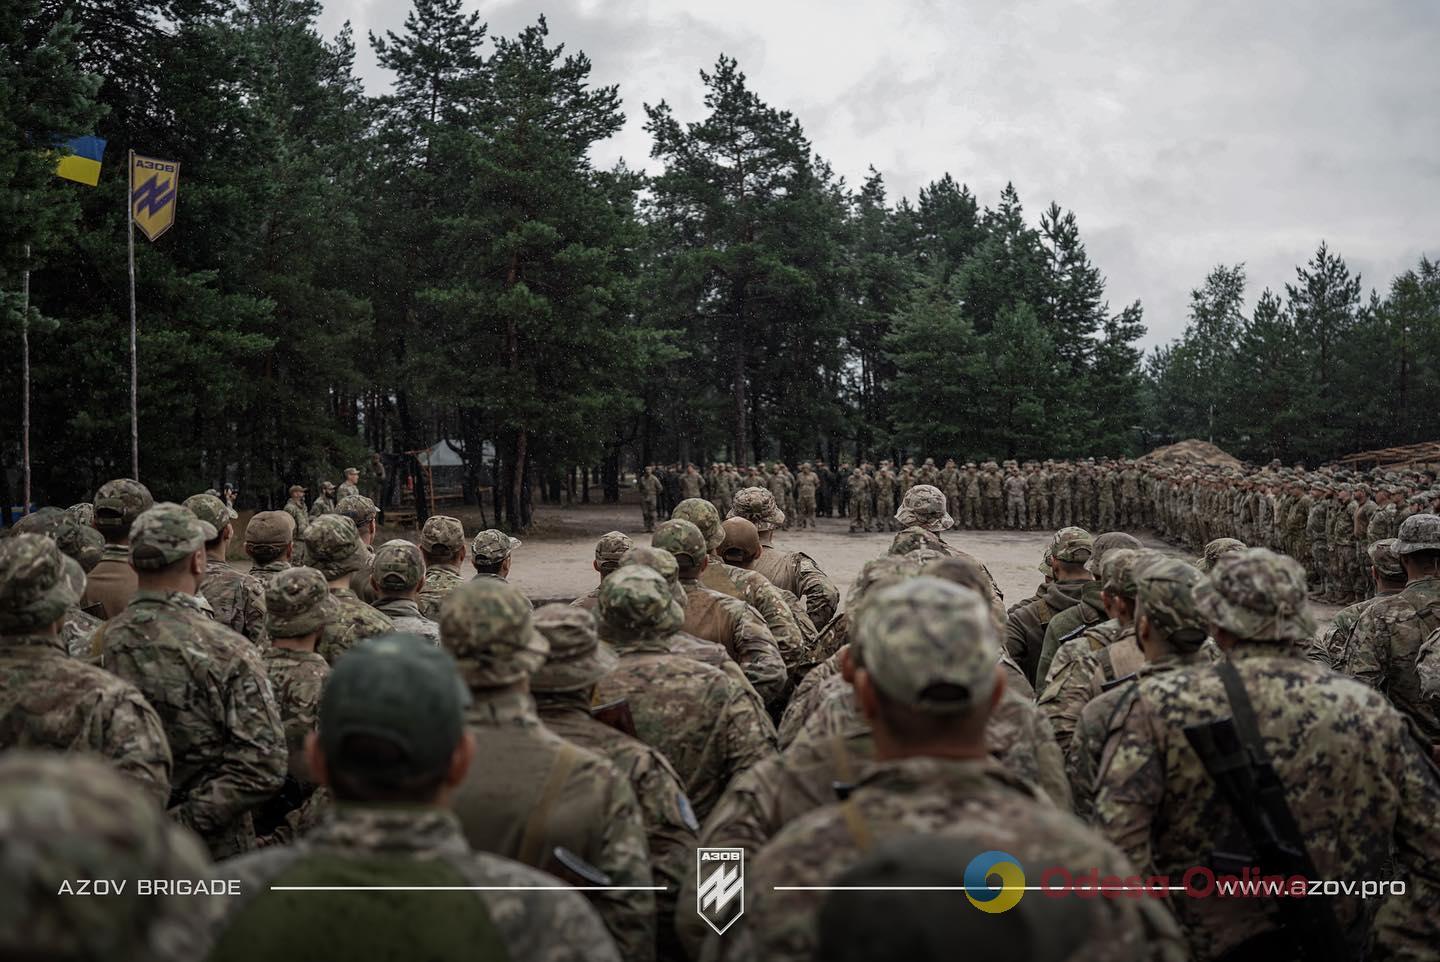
(1037, 513)
(1060, 515)
(1319, 568)
(1342, 571)
(885, 515)
(1014, 513)
(952, 505)
(991, 515)
(860, 519)
(807, 512)
(1105, 515)
(969, 516)
(647, 512)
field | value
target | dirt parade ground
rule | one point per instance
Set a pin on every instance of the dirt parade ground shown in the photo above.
(553, 563)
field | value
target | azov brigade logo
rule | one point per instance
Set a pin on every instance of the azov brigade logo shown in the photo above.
(720, 899)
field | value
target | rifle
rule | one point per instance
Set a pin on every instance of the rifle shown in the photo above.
(1235, 758)
(617, 715)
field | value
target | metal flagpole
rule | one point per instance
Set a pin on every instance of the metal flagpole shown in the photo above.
(134, 408)
(25, 378)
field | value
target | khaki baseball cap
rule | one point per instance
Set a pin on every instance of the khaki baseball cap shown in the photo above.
(611, 548)
(742, 541)
(1072, 545)
(398, 566)
(270, 527)
(492, 546)
(442, 536)
(209, 509)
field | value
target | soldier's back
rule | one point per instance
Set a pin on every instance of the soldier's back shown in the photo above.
(238, 599)
(112, 582)
(352, 620)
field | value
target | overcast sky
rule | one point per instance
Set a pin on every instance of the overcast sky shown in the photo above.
(1183, 134)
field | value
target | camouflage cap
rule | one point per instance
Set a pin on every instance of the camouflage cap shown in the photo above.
(297, 602)
(683, 540)
(350, 471)
(34, 589)
(757, 505)
(1165, 595)
(43, 521)
(81, 542)
(82, 513)
(1258, 595)
(333, 545)
(209, 509)
(165, 534)
(577, 658)
(611, 548)
(398, 566)
(270, 527)
(742, 541)
(1386, 561)
(399, 688)
(884, 570)
(326, 486)
(662, 561)
(701, 514)
(1072, 545)
(924, 505)
(442, 536)
(296, 489)
(229, 511)
(636, 603)
(118, 503)
(492, 546)
(357, 508)
(1216, 550)
(928, 644)
(1044, 566)
(1107, 542)
(68, 816)
(489, 626)
(1419, 532)
(1117, 572)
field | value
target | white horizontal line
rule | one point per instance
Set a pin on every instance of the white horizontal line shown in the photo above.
(469, 888)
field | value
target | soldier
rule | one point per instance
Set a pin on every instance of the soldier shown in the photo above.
(608, 551)
(564, 688)
(81, 542)
(992, 491)
(325, 503)
(238, 599)
(1332, 647)
(1215, 550)
(112, 583)
(1062, 487)
(491, 552)
(884, 483)
(51, 701)
(365, 514)
(949, 485)
(1159, 801)
(295, 508)
(824, 490)
(297, 608)
(650, 491)
(1026, 628)
(1015, 487)
(928, 473)
(806, 484)
(206, 682)
(792, 571)
(927, 685)
(396, 575)
(1132, 514)
(1383, 523)
(336, 551)
(1317, 526)
(970, 497)
(442, 542)
(691, 712)
(1386, 641)
(375, 480)
(857, 495)
(350, 487)
(540, 799)
(1340, 537)
(393, 749)
(269, 543)
(691, 485)
(67, 819)
(1037, 497)
(719, 617)
(1105, 493)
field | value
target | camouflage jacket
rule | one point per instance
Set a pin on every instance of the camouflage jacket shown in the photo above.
(973, 799)
(51, 701)
(1386, 642)
(440, 580)
(796, 572)
(209, 687)
(699, 719)
(1079, 672)
(1358, 783)
(536, 792)
(78, 631)
(353, 620)
(1331, 647)
(671, 825)
(756, 590)
(322, 505)
(298, 679)
(729, 621)
(266, 573)
(405, 615)
(423, 846)
(238, 600)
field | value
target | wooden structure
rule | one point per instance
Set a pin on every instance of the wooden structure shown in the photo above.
(1426, 452)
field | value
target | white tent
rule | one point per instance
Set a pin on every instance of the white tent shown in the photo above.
(446, 454)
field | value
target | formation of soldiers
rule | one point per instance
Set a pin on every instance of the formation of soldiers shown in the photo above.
(374, 718)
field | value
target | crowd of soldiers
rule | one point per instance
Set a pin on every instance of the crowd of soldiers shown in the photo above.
(536, 784)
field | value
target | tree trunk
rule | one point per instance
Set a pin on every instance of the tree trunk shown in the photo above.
(612, 475)
(740, 393)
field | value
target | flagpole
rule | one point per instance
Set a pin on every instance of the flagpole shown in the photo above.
(134, 407)
(25, 378)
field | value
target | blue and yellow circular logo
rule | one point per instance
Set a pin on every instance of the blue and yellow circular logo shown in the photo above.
(998, 896)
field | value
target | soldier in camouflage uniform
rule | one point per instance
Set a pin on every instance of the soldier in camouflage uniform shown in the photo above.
(608, 551)
(206, 682)
(51, 701)
(350, 487)
(537, 793)
(970, 497)
(1386, 641)
(806, 484)
(491, 552)
(237, 598)
(564, 688)
(1317, 527)
(692, 712)
(269, 543)
(365, 514)
(1106, 492)
(1215, 550)
(927, 684)
(392, 747)
(792, 571)
(336, 551)
(324, 503)
(857, 493)
(295, 508)
(1332, 647)
(1015, 487)
(884, 492)
(111, 583)
(64, 819)
(297, 607)
(77, 626)
(396, 575)
(1026, 627)
(1357, 782)
(650, 491)
(1132, 514)
(442, 542)
(1340, 536)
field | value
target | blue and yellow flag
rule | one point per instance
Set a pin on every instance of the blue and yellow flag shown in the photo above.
(82, 164)
(154, 188)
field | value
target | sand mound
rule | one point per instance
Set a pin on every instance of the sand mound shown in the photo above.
(1193, 451)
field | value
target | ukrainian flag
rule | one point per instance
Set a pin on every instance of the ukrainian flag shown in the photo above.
(82, 164)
